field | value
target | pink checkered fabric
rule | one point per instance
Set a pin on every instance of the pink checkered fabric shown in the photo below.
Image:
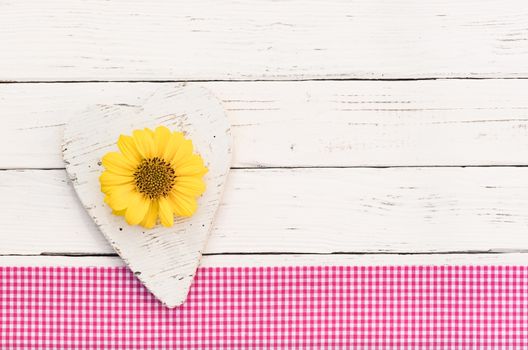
(268, 308)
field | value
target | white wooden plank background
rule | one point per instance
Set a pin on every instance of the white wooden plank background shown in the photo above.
(250, 39)
(300, 124)
(364, 167)
(303, 211)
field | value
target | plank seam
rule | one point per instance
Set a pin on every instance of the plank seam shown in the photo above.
(254, 80)
(453, 252)
(328, 167)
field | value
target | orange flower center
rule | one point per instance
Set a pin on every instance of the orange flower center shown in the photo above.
(154, 178)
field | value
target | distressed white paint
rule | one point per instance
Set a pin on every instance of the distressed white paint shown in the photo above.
(251, 39)
(325, 123)
(164, 259)
(304, 211)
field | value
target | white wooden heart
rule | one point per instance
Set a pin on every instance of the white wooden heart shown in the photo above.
(164, 259)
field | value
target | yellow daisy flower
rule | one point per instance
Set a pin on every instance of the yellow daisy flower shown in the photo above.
(156, 174)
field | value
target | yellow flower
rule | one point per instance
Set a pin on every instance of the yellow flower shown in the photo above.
(155, 175)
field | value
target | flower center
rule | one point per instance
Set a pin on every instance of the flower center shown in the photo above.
(154, 178)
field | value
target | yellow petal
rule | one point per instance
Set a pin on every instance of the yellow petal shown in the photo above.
(144, 143)
(108, 179)
(121, 196)
(152, 215)
(190, 185)
(172, 146)
(192, 166)
(194, 159)
(128, 187)
(182, 153)
(119, 212)
(127, 146)
(182, 205)
(137, 209)
(191, 170)
(150, 132)
(165, 212)
(162, 136)
(106, 189)
(110, 189)
(118, 164)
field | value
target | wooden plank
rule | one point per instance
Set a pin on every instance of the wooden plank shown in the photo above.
(248, 39)
(289, 260)
(302, 211)
(297, 124)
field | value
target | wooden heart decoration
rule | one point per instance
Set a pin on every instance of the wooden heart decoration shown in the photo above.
(164, 259)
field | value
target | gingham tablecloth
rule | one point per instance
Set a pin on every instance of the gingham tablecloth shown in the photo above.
(268, 308)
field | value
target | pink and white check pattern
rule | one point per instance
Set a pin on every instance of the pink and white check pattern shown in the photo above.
(268, 308)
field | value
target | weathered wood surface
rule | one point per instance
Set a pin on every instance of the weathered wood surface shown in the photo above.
(414, 210)
(248, 39)
(288, 124)
(298, 124)
(164, 259)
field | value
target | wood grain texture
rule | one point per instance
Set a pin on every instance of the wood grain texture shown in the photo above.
(302, 211)
(249, 39)
(299, 124)
(164, 259)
